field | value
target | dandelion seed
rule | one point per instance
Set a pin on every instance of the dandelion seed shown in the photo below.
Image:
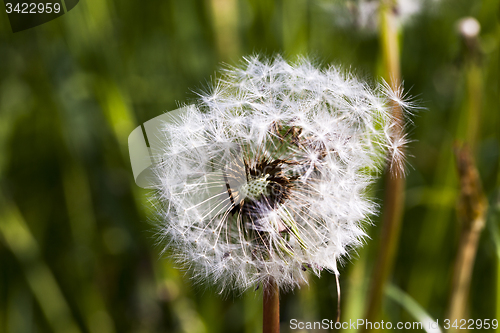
(266, 177)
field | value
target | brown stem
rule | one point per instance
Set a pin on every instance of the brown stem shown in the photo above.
(271, 308)
(338, 297)
(472, 209)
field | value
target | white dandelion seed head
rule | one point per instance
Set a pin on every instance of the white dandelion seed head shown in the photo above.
(266, 177)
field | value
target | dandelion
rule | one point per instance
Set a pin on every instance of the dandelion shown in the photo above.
(264, 180)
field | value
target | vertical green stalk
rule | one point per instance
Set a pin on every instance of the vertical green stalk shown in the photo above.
(296, 22)
(271, 308)
(354, 300)
(472, 205)
(474, 95)
(390, 45)
(225, 25)
(394, 187)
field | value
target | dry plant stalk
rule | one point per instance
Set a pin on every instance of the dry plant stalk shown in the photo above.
(271, 308)
(472, 208)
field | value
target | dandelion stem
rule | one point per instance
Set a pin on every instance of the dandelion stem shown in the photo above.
(394, 189)
(338, 297)
(271, 308)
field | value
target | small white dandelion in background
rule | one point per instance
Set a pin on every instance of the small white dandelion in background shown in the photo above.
(265, 178)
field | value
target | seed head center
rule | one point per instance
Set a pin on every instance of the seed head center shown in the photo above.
(256, 187)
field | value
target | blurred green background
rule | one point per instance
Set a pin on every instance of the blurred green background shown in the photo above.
(77, 253)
